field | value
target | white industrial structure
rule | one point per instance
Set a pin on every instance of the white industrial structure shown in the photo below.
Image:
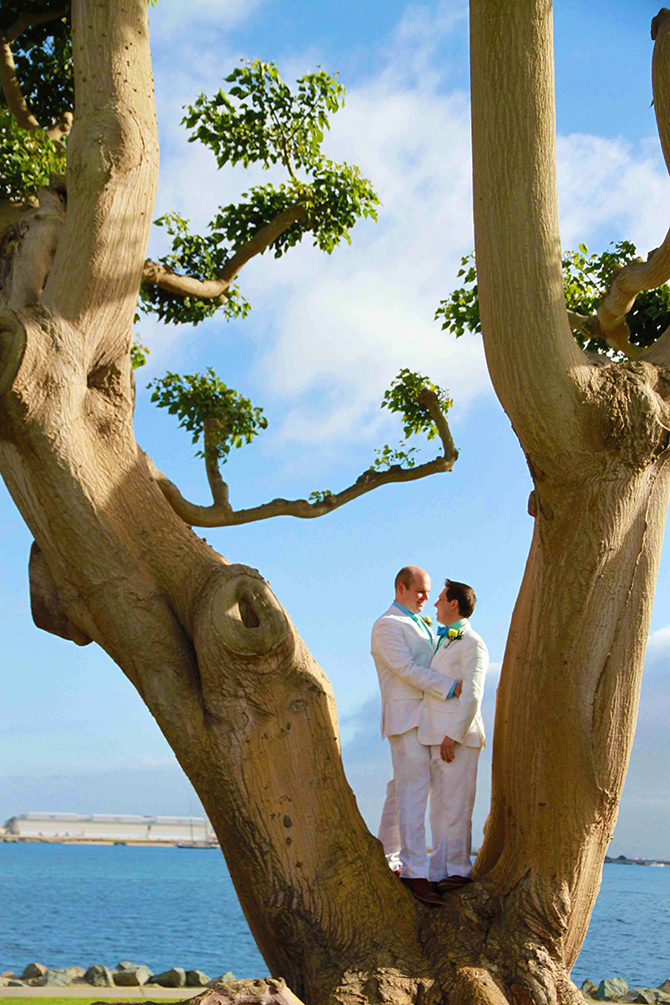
(110, 827)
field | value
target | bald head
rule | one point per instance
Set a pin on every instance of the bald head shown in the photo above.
(412, 587)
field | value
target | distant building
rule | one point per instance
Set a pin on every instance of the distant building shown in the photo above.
(109, 827)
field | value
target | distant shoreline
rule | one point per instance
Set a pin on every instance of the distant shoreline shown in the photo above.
(20, 839)
(622, 860)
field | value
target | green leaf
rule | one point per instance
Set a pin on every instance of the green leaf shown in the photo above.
(260, 120)
(586, 278)
(198, 398)
(403, 397)
(27, 159)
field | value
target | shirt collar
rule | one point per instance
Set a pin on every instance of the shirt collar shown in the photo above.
(405, 610)
(458, 624)
(415, 617)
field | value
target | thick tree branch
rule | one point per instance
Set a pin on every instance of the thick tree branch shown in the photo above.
(9, 80)
(517, 235)
(624, 288)
(221, 514)
(27, 250)
(660, 78)
(162, 276)
(60, 130)
(11, 88)
(216, 516)
(25, 21)
(112, 175)
(618, 337)
(13, 212)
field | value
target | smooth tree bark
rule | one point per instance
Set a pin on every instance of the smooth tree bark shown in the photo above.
(249, 714)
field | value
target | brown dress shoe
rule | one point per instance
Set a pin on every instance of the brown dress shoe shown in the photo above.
(423, 891)
(452, 883)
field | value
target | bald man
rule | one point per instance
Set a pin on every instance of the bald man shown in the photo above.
(402, 648)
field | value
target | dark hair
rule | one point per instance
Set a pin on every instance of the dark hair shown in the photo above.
(406, 576)
(465, 596)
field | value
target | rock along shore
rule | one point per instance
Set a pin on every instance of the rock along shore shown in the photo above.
(128, 974)
(615, 989)
(124, 974)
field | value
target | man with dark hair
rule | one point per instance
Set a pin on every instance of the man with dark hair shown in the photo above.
(453, 732)
(402, 648)
(464, 595)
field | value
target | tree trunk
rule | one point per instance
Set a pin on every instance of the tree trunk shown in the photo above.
(567, 704)
(248, 713)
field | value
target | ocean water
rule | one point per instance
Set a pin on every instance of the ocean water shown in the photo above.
(65, 905)
(75, 905)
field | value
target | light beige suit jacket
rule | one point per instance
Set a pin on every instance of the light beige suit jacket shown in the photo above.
(402, 650)
(464, 659)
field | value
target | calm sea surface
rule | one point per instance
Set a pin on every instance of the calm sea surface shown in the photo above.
(66, 905)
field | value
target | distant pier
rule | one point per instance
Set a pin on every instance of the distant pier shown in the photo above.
(108, 828)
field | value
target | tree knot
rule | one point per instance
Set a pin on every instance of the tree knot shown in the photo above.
(236, 613)
(634, 402)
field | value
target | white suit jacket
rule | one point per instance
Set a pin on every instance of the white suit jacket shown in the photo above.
(402, 651)
(464, 659)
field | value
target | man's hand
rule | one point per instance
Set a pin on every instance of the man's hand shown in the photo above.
(458, 689)
(447, 749)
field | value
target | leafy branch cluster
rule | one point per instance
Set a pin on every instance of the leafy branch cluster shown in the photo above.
(28, 158)
(387, 456)
(43, 57)
(321, 495)
(460, 311)
(586, 278)
(201, 258)
(404, 396)
(261, 121)
(267, 123)
(138, 354)
(204, 405)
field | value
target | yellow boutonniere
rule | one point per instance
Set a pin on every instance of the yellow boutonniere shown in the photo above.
(455, 634)
(427, 619)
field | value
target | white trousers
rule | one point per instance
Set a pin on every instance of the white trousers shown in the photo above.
(419, 771)
(389, 829)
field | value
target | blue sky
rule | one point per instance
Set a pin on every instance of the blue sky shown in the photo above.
(325, 337)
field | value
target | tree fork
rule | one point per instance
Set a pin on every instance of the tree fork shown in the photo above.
(248, 713)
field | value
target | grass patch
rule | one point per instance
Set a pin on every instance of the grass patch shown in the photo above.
(106, 994)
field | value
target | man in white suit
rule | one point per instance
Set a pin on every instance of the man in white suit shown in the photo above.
(453, 732)
(402, 648)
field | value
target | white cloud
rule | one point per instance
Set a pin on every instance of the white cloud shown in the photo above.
(493, 674)
(659, 641)
(606, 184)
(353, 320)
(171, 18)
